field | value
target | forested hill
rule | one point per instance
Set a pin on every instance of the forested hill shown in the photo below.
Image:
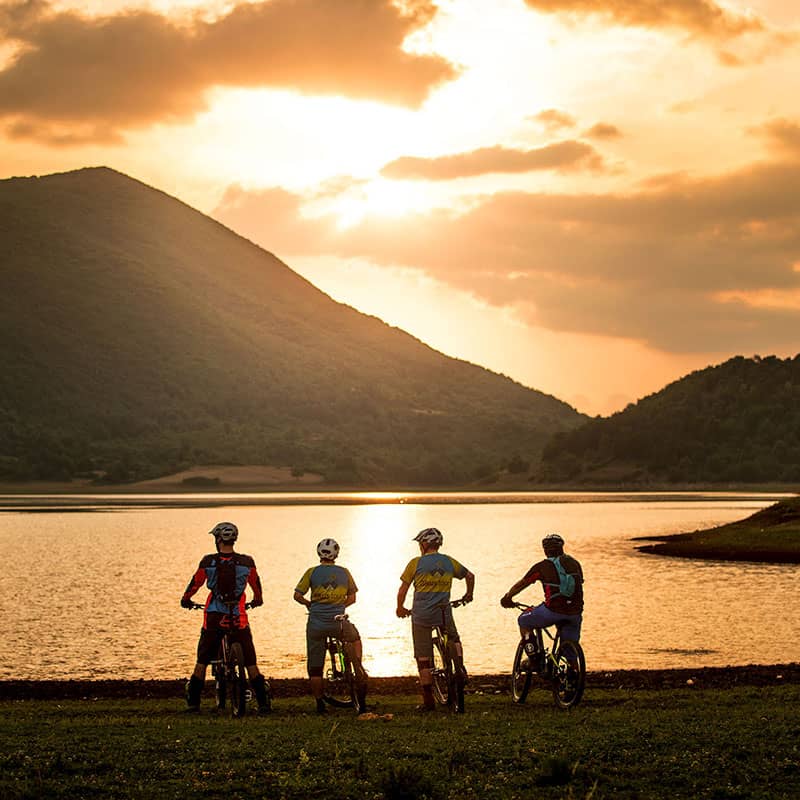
(139, 337)
(739, 421)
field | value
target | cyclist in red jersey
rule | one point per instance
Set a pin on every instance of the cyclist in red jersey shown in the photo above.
(227, 574)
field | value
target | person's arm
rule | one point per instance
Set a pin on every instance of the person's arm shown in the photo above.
(198, 579)
(402, 593)
(507, 600)
(470, 579)
(350, 599)
(302, 587)
(255, 585)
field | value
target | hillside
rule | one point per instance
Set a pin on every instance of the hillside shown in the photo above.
(735, 422)
(770, 535)
(139, 337)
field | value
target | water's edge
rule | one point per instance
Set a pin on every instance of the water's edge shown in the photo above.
(635, 680)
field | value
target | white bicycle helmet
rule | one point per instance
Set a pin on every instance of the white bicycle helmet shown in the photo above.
(328, 548)
(432, 536)
(225, 532)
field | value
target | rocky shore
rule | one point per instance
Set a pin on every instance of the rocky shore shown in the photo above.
(633, 680)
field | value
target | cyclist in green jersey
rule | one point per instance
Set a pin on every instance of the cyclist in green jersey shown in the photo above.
(431, 574)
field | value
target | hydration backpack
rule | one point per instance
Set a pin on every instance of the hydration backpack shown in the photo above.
(225, 588)
(566, 582)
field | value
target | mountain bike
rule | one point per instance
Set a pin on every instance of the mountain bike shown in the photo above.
(447, 671)
(561, 662)
(345, 680)
(228, 668)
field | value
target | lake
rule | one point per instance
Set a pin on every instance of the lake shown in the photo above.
(92, 584)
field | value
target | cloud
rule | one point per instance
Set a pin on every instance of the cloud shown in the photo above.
(701, 18)
(782, 134)
(682, 266)
(554, 120)
(136, 68)
(567, 156)
(603, 130)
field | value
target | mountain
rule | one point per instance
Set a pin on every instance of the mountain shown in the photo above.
(139, 336)
(735, 422)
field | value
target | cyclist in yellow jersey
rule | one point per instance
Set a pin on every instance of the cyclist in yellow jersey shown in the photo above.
(432, 575)
(332, 590)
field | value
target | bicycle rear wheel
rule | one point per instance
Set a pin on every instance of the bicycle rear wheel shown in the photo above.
(340, 683)
(457, 681)
(238, 681)
(440, 672)
(520, 676)
(569, 674)
(220, 684)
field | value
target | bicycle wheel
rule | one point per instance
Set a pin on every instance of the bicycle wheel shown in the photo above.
(220, 685)
(440, 672)
(457, 681)
(238, 681)
(360, 679)
(520, 676)
(569, 674)
(340, 684)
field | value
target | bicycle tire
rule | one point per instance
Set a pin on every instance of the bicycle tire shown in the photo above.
(238, 681)
(439, 673)
(457, 682)
(520, 677)
(340, 686)
(360, 683)
(220, 686)
(569, 674)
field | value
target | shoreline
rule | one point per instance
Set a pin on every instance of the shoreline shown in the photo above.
(688, 678)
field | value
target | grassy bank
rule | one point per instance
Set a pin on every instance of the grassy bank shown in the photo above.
(678, 743)
(770, 535)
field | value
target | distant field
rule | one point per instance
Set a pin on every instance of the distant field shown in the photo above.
(677, 743)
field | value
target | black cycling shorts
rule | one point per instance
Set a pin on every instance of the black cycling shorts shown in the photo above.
(210, 638)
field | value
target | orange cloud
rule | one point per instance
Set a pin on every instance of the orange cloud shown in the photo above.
(653, 265)
(702, 18)
(553, 119)
(136, 68)
(782, 134)
(603, 130)
(562, 156)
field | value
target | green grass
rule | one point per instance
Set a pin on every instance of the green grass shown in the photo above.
(771, 534)
(737, 743)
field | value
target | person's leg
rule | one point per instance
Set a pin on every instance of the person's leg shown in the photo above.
(257, 681)
(207, 646)
(423, 653)
(315, 652)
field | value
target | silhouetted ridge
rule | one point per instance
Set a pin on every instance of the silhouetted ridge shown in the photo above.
(139, 336)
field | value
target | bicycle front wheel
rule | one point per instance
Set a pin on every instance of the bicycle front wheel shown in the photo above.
(520, 676)
(457, 681)
(569, 674)
(340, 684)
(440, 672)
(237, 681)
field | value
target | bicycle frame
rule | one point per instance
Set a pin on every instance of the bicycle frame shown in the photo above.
(448, 680)
(560, 661)
(346, 679)
(228, 669)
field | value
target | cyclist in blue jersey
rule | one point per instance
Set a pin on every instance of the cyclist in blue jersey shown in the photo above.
(431, 574)
(226, 574)
(332, 590)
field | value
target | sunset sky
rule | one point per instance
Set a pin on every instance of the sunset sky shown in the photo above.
(593, 197)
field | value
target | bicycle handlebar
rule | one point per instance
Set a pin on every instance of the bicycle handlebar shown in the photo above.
(231, 606)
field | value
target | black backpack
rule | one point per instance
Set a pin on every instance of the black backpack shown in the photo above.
(225, 589)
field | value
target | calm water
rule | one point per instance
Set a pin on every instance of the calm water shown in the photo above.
(91, 586)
